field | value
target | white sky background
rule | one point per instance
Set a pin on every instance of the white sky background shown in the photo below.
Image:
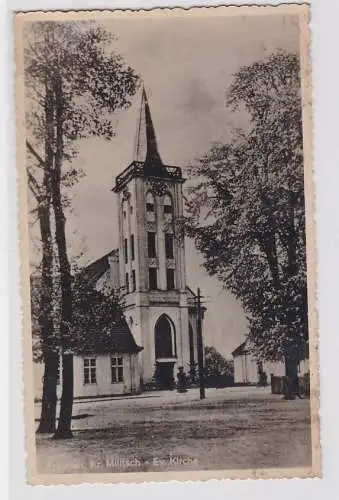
(187, 66)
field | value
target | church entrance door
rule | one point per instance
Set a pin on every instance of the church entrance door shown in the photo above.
(164, 376)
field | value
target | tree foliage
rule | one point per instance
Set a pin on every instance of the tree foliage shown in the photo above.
(247, 213)
(215, 364)
(95, 80)
(93, 314)
(73, 84)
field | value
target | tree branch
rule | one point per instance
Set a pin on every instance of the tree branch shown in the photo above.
(34, 153)
(34, 187)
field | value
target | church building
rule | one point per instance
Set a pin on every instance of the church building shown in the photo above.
(159, 332)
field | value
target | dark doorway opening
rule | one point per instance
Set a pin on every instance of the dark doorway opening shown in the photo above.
(164, 376)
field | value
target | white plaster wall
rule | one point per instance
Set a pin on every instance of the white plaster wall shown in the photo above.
(103, 385)
(245, 370)
(304, 367)
(277, 369)
(144, 316)
(140, 330)
(135, 373)
(114, 272)
(142, 327)
(252, 370)
(133, 318)
(138, 223)
(238, 370)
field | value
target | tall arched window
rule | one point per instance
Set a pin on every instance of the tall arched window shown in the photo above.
(124, 215)
(168, 205)
(164, 338)
(150, 207)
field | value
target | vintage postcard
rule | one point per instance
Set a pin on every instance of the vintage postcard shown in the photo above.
(167, 244)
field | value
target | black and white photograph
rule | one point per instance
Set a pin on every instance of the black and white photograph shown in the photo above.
(167, 244)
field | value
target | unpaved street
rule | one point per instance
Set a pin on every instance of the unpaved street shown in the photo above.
(233, 428)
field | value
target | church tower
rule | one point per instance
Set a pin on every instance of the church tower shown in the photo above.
(157, 302)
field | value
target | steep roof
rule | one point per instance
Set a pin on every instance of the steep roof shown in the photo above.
(118, 338)
(146, 146)
(240, 350)
(97, 268)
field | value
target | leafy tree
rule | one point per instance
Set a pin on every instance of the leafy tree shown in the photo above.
(94, 312)
(215, 364)
(247, 213)
(74, 82)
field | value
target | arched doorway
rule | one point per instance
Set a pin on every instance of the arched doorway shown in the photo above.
(165, 352)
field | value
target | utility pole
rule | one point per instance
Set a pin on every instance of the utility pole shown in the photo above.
(200, 349)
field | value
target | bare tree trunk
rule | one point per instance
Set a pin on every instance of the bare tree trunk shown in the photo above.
(65, 418)
(49, 391)
(64, 425)
(292, 380)
(48, 406)
(49, 394)
(64, 430)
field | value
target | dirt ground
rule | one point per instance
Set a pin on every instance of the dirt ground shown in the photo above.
(233, 428)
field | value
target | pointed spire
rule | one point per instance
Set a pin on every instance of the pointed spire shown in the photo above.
(146, 148)
(146, 158)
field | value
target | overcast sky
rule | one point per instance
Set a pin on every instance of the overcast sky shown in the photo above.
(186, 65)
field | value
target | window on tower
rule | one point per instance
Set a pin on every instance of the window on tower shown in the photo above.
(152, 276)
(127, 282)
(134, 283)
(151, 245)
(169, 245)
(132, 247)
(126, 250)
(150, 205)
(170, 279)
(168, 205)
